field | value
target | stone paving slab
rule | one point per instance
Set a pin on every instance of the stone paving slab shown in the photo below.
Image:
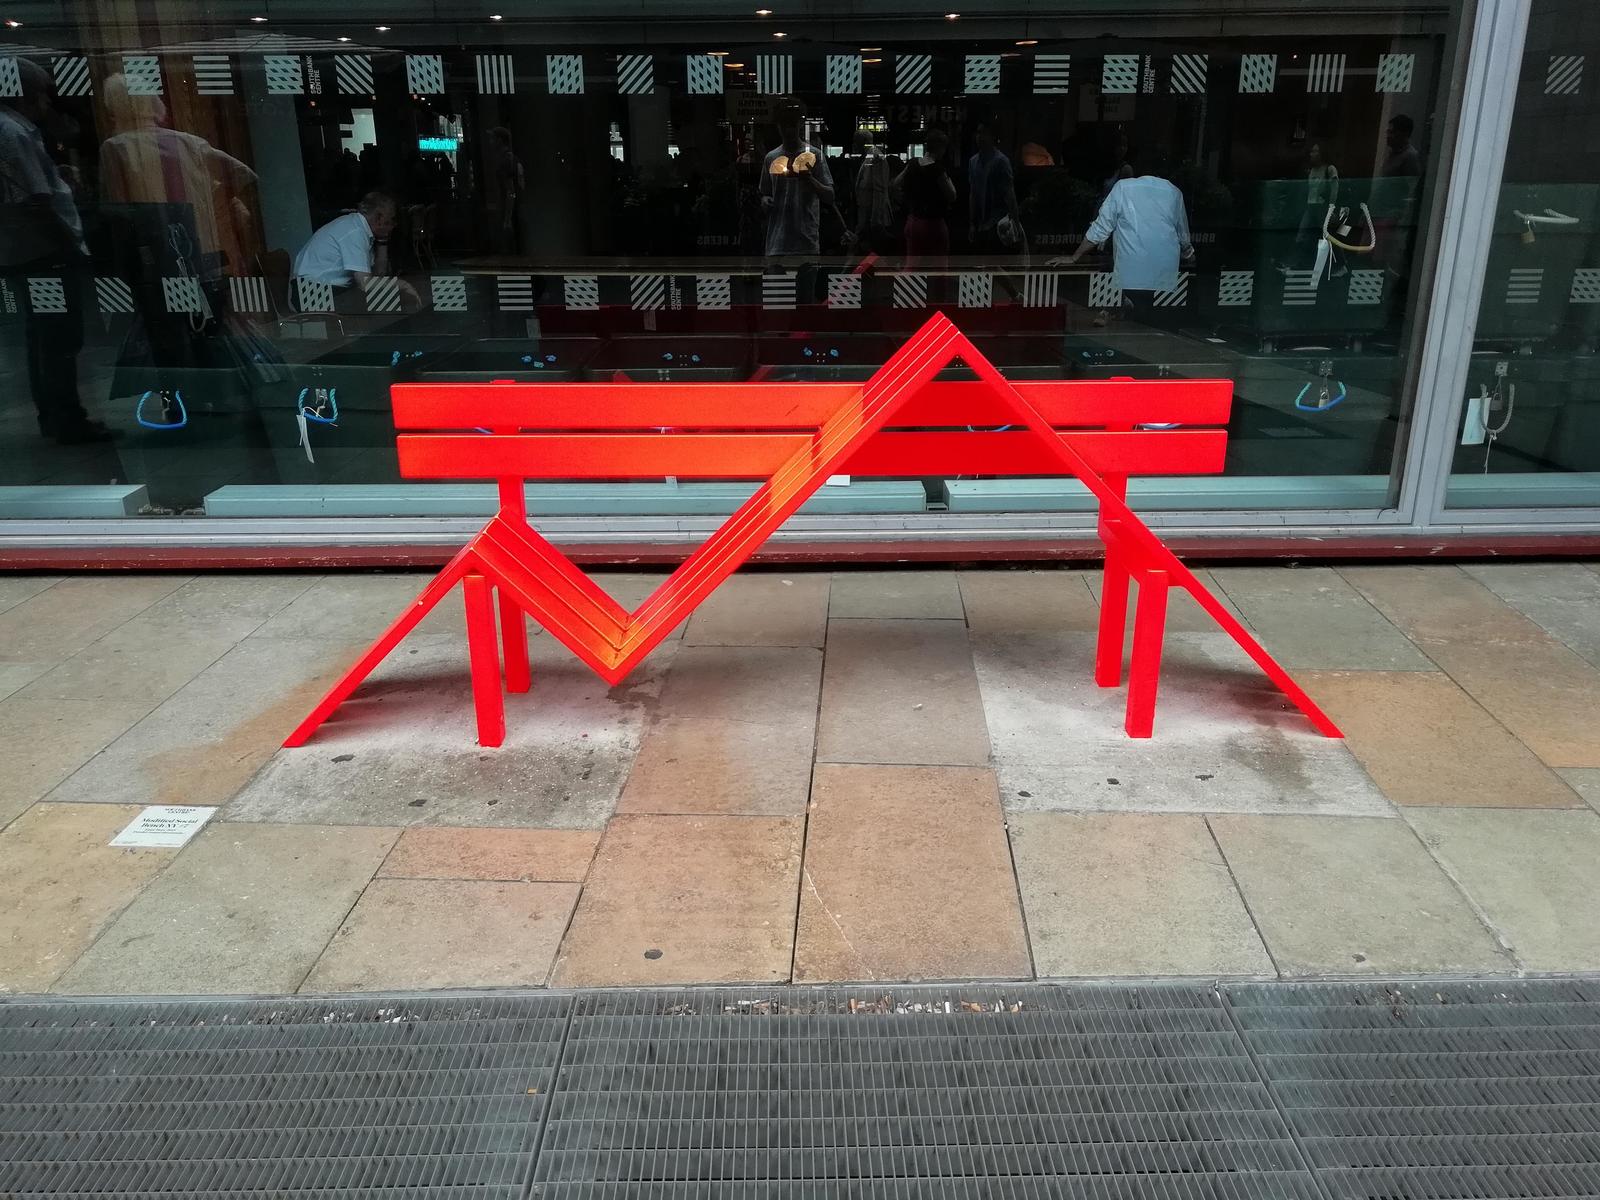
(1028, 601)
(42, 742)
(1533, 875)
(417, 934)
(1350, 896)
(133, 662)
(223, 606)
(1225, 739)
(901, 692)
(1563, 599)
(1184, 614)
(1131, 894)
(896, 594)
(1440, 603)
(675, 899)
(61, 884)
(205, 742)
(734, 733)
(1312, 619)
(56, 623)
(1426, 742)
(14, 589)
(1585, 781)
(243, 909)
(16, 676)
(761, 609)
(503, 855)
(907, 876)
(396, 753)
(355, 609)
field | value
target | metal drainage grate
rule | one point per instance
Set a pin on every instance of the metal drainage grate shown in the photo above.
(360, 1098)
(1117, 1092)
(1435, 1091)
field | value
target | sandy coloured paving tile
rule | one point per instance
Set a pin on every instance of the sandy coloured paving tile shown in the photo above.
(763, 609)
(526, 855)
(1028, 601)
(42, 742)
(1311, 618)
(907, 876)
(59, 621)
(896, 594)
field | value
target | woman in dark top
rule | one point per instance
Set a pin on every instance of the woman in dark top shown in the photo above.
(928, 192)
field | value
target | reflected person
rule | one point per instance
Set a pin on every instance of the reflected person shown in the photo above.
(41, 237)
(343, 253)
(1144, 218)
(795, 184)
(928, 193)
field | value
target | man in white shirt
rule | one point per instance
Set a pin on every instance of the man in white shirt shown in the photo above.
(342, 252)
(1144, 219)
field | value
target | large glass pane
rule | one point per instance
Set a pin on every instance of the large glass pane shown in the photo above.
(1529, 434)
(228, 232)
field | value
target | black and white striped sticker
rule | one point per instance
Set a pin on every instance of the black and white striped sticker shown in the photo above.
(1236, 289)
(775, 74)
(1564, 76)
(1174, 297)
(1052, 74)
(975, 289)
(982, 76)
(844, 291)
(514, 292)
(248, 293)
(844, 74)
(1326, 73)
(10, 78)
(1041, 289)
(213, 75)
(778, 290)
(646, 293)
(71, 76)
(425, 74)
(910, 291)
(581, 293)
(636, 74)
(1258, 74)
(449, 293)
(352, 74)
(284, 75)
(1103, 290)
(1119, 75)
(182, 294)
(913, 74)
(1524, 285)
(382, 293)
(1299, 288)
(114, 295)
(704, 74)
(713, 293)
(142, 74)
(47, 295)
(314, 297)
(564, 74)
(1366, 289)
(497, 75)
(1396, 73)
(1189, 73)
(1585, 286)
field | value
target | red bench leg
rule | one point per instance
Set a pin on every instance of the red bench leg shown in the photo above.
(514, 645)
(1113, 612)
(1144, 674)
(484, 653)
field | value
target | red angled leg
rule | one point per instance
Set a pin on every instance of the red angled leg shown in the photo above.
(1113, 612)
(1144, 674)
(484, 653)
(514, 642)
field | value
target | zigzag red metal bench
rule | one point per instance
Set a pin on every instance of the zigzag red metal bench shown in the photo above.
(793, 436)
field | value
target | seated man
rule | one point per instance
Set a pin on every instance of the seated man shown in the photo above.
(343, 251)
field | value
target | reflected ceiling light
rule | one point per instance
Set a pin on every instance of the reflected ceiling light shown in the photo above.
(871, 60)
(952, 16)
(342, 39)
(870, 49)
(381, 28)
(259, 20)
(497, 17)
(717, 53)
(734, 66)
(780, 33)
(12, 23)
(1028, 42)
(763, 12)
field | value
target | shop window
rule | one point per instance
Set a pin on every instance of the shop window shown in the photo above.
(220, 250)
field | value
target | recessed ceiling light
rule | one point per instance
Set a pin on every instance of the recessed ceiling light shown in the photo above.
(870, 49)
(763, 12)
(343, 39)
(497, 16)
(734, 66)
(952, 16)
(12, 23)
(717, 53)
(871, 60)
(1028, 42)
(780, 33)
(259, 20)
(381, 28)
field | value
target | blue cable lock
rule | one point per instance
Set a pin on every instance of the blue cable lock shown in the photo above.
(315, 413)
(1299, 401)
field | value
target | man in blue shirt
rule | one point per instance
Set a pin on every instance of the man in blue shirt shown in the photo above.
(991, 196)
(1144, 219)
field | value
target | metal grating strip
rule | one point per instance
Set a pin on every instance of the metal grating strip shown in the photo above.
(1458, 1091)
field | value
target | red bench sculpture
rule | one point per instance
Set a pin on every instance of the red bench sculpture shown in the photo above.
(793, 436)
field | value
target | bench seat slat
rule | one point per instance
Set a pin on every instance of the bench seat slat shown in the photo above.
(1069, 403)
(758, 455)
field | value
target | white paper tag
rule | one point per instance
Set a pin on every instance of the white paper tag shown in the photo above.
(163, 825)
(1473, 431)
(305, 435)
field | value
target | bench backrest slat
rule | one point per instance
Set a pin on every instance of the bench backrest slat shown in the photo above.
(1065, 404)
(758, 455)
